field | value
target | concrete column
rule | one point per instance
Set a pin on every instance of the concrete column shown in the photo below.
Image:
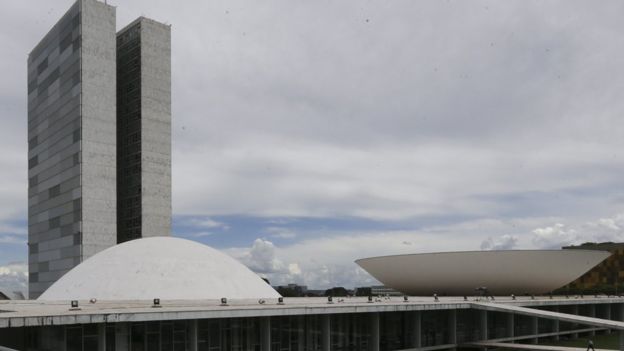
(592, 313)
(301, 332)
(375, 338)
(101, 328)
(325, 333)
(555, 324)
(265, 333)
(122, 335)
(452, 327)
(621, 340)
(575, 311)
(417, 335)
(483, 324)
(193, 335)
(534, 329)
(607, 308)
(510, 325)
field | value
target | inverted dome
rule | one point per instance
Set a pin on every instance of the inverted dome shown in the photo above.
(159, 267)
(502, 272)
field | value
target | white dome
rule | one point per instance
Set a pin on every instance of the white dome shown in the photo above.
(159, 267)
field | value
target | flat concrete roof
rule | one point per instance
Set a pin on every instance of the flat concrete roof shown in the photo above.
(505, 345)
(41, 313)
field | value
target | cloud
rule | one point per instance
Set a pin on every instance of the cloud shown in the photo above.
(505, 242)
(202, 234)
(14, 277)
(280, 232)
(206, 223)
(261, 258)
(601, 230)
(555, 236)
(503, 118)
(12, 239)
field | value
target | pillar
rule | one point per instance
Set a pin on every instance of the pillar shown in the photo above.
(607, 315)
(325, 333)
(193, 335)
(265, 333)
(101, 329)
(534, 329)
(555, 325)
(122, 336)
(375, 338)
(301, 327)
(510, 325)
(556, 329)
(592, 313)
(483, 323)
(621, 332)
(417, 335)
(575, 311)
(452, 327)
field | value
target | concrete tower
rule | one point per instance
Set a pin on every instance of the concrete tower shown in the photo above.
(144, 130)
(99, 138)
(71, 143)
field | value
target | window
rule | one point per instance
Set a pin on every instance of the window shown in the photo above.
(54, 191)
(33, 181)
(77, 238)
(77, 204)
(33, 142)
(54, 222)
(76, 135)
(42, 66)
(33, 162)
(66, 42)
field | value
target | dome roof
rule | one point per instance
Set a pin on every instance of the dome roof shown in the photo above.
(501, 272)
(159, 267)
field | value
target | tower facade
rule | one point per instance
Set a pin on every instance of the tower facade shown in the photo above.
(71, 143)
(144, 130)
(99, 138)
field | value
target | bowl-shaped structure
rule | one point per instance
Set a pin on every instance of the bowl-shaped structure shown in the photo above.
(501, 272)
(159, 267)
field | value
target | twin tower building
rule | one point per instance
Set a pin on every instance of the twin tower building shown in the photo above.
(99, 138)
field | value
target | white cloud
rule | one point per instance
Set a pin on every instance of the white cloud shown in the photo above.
(207, 223)
(280, 232)
(601, 230)
(261, 258)
(12, 239)
(510, 115)
(555, 236)
(14, 277)
(505, 242)
(325, 260)
(201, 234)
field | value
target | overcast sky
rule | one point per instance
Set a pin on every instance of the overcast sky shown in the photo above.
(309, 134)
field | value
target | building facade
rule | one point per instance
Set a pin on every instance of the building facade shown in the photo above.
(310, 324)
(99, 139)
(144, 130)
(72, 143)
